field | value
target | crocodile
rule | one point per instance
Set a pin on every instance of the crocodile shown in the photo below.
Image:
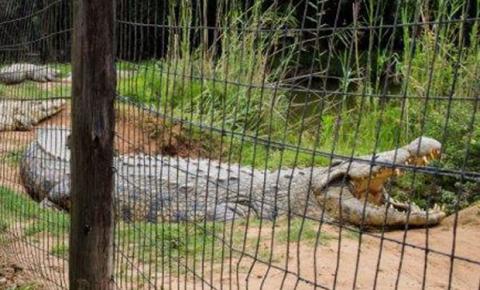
(156, 188)
(20, 72)
(23, 115)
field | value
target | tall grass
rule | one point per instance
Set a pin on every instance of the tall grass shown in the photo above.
(232, 78)
(221, 83)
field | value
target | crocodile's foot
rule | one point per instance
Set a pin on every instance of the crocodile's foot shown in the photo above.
(356, 192)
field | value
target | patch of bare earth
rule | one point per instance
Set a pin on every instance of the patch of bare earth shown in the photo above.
(343, 261)
(349, 263)
(13, 276)
(26, 266)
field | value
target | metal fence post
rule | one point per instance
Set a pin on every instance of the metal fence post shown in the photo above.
(93, 121)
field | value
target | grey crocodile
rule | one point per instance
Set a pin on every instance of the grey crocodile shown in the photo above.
(23, 115)
(164, 188)
(20, 72)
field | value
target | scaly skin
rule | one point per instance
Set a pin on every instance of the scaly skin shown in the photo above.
(23, 115)
(159, 188)
(20, 72)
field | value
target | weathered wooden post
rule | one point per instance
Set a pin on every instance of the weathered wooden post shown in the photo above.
(93, 94)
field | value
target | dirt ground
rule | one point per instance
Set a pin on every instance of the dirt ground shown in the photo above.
(340, 263)
(14, 276)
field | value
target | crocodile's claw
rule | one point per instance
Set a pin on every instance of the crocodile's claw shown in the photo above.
(355, 192)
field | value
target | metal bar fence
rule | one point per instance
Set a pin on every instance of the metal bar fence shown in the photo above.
(258, 144)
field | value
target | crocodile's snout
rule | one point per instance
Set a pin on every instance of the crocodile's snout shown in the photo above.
(364, 197)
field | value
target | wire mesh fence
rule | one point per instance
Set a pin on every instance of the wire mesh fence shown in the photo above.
(258, 144)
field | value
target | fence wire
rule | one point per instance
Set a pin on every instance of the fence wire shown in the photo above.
(259, 144)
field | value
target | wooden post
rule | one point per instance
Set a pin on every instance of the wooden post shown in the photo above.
(93, 121)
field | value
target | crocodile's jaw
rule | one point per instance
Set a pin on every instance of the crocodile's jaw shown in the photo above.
(339, 202)
(363, 198)
(371, 188)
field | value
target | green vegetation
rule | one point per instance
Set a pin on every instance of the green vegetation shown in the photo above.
(233, 88)
(194, 242)
(3, 227)
(30, 90)
(305, 231)
(60, 251)
(13, 157)
(18, 210)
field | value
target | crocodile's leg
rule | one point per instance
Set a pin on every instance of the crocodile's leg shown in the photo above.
(228, 211)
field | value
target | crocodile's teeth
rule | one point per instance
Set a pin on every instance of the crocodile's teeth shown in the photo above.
(415, 207)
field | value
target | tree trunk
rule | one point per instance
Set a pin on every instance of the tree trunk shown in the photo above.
(93, 94)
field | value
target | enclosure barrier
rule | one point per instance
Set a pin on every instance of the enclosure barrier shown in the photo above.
(257, 144)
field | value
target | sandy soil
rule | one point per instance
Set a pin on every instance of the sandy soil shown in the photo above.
(303, 261)
(341, 262)
(13, 275)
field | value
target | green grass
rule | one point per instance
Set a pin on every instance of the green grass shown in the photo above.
(29, 90)
(3, 227)
(152, 242)
(350, 234)
(64, 69)
(60, 251)
(18, 209)
(303, 231)
(13, 158)
(157, 243)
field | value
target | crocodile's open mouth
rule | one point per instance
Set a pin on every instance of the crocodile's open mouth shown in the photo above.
(372, 186)
(365, 199)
